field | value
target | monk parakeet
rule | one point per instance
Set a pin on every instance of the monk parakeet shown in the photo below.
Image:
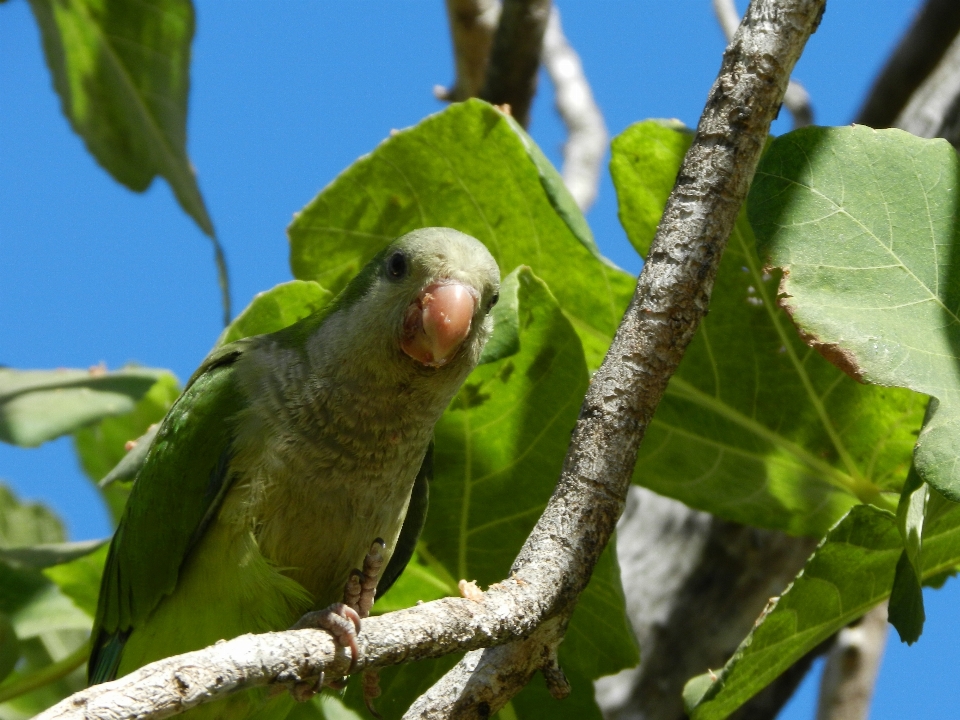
(287, 455)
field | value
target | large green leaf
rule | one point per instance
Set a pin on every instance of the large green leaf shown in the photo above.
(472, 168)
(755, 426)
(499, 450)
(40, 405)
(121, 70)
(865, 225)
(851, 572)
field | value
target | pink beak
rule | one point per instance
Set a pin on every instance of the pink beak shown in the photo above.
(437, 322)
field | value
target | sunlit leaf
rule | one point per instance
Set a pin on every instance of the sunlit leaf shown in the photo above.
(755, 426)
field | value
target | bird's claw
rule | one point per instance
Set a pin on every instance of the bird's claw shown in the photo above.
(371, 690)
(361, 588)
(341, 621)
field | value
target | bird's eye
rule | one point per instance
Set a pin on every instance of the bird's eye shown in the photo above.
(397, 265)
(493, 301)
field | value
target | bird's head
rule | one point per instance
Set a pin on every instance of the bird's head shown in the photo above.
(428, 296)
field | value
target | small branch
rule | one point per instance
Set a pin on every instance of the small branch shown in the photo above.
(918, 53)
(472, 26)
(934, 109)
(851, 670)
(556, 561)
(586, 132)
(515, 56)
(796, 99)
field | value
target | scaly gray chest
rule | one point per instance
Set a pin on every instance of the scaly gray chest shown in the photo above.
(329, 465)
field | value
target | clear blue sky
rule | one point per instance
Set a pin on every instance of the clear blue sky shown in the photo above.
(284, 96)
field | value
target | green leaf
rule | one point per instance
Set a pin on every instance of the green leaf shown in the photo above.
(472, 168)
(499, 450)
(26, 523)
(47, 555)
(851, 572)
(755, 426)
(864, 225)
(121, 70)
(905, 611)
(9, 647)
(103, 446)
(79, 579)
(40, 405)
(277, 308)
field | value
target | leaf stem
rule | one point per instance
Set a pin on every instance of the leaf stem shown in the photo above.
(45, 675)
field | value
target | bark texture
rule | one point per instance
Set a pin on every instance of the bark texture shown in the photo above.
(557, 559)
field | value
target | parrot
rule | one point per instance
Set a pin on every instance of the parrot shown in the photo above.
(291, 456)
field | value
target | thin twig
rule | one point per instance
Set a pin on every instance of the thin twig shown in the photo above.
(796, 99)
(515, 56)
(557, 559)
(586, 132)
(918, 53)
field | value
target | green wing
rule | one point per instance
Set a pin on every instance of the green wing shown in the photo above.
(177, 492)
(412, 525)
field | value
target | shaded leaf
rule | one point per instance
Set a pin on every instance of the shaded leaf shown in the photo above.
(905, 611)
(79, 579)
(9, 647)
(277, 308)
(755, 426)
(864, 224)
(121, 70)
(851, 572)
(40, 405)
(26, 523)
(472, 168)
(47, 555)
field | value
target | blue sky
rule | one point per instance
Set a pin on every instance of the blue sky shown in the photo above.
(284, 96)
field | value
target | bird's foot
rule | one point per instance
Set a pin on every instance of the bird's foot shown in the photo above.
(341, 621)
(371, 690)
(361, 588)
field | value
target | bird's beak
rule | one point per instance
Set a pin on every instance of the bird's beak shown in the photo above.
(437, 322)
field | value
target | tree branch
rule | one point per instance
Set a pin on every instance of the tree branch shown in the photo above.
(694, 585)
(557, 559)
(796, 99)
(934, 109)
(917, 54)
(472, 26)
(586, 132)
(852, 666)
(515, 56)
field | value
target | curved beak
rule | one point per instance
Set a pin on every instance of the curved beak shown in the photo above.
(437, 322)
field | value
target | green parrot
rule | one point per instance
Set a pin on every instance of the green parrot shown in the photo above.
(286, 456)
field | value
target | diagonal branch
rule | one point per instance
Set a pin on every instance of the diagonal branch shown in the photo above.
(797, 99)
(515, 56)
(918, 53)
(555, 563)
